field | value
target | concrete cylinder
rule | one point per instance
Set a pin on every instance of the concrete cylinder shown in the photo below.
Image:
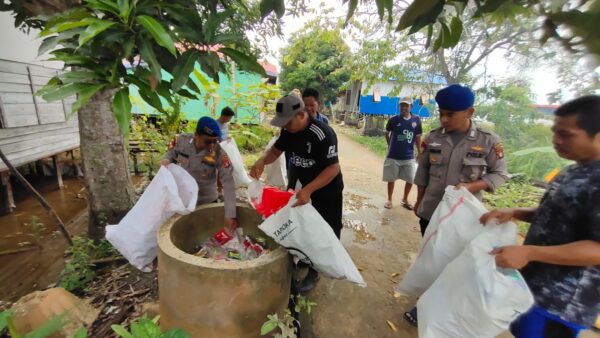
(224, 299)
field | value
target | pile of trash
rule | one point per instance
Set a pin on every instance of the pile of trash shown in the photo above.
(231, 245)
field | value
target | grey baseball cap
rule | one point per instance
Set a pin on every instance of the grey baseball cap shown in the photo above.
(286, 108)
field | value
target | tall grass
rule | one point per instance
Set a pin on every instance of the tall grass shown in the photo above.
(376, 144)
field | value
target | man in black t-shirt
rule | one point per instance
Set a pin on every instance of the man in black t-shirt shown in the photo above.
(312, 146)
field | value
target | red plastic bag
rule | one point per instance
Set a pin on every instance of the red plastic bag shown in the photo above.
(272, 200)
(222, 237)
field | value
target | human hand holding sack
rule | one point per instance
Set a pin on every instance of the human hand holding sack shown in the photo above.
(473, 297)
(173, 190)
(454, 223)
(305, 234)
(267, 200)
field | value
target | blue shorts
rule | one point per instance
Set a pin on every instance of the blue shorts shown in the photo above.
(539, 323)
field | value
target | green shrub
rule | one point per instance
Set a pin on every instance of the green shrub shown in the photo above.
(518, 192)
(147, 328)
(79, 270)
(251, 138)
(376, 144)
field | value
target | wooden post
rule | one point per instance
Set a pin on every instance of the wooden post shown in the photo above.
(368, 125)
(10, 200)
(380, 123)
(32, 169)
(39, 168)
(58, 171)
(73, 164)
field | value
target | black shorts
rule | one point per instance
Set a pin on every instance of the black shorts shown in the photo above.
(330, 205)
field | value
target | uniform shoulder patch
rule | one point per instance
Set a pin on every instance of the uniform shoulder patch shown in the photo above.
(499, 149)
(225, 162)
(173, 143)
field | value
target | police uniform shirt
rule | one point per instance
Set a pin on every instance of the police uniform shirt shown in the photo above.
(479, 155)
(204, 166)
(311, 151)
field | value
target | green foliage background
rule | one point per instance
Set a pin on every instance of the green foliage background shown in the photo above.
(317, 57)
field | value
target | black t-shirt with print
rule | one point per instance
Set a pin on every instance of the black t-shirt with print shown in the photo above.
(311, 151)
(569, 212)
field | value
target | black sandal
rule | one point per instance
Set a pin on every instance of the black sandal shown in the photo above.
(410, 319)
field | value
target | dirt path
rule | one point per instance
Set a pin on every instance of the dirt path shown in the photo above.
(381, 243)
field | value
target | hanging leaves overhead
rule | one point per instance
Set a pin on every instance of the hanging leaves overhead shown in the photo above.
(111, 44)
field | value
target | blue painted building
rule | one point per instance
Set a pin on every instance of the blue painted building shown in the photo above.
(378, 99)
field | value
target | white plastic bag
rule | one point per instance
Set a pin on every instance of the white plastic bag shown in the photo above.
(240, 176)
(276, 172)
(472, 298)
(171, 191)
(254, 192)
(305, 234)
(453, 225)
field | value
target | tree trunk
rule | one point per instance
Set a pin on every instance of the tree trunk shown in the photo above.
(105, 163)
(368, 125)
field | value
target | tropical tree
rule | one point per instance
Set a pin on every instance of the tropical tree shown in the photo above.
(571, 23)
(384, 52)
(95, 37)
(508, 104)
(316, 57)
(445, 23)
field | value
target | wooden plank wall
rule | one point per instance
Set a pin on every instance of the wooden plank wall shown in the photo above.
(31, 128)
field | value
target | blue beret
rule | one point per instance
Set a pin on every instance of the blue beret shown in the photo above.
(455, 98)
(208, 126)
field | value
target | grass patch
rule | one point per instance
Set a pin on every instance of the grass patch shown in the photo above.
(251, 138)
(252, 141)
(250, 158)
(79, 270)
(515, 193)
(376, 144)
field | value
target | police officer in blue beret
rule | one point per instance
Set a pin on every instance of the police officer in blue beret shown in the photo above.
(201, 155)
(459, 153)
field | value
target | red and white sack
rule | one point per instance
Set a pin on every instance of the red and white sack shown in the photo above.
(454, 223)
